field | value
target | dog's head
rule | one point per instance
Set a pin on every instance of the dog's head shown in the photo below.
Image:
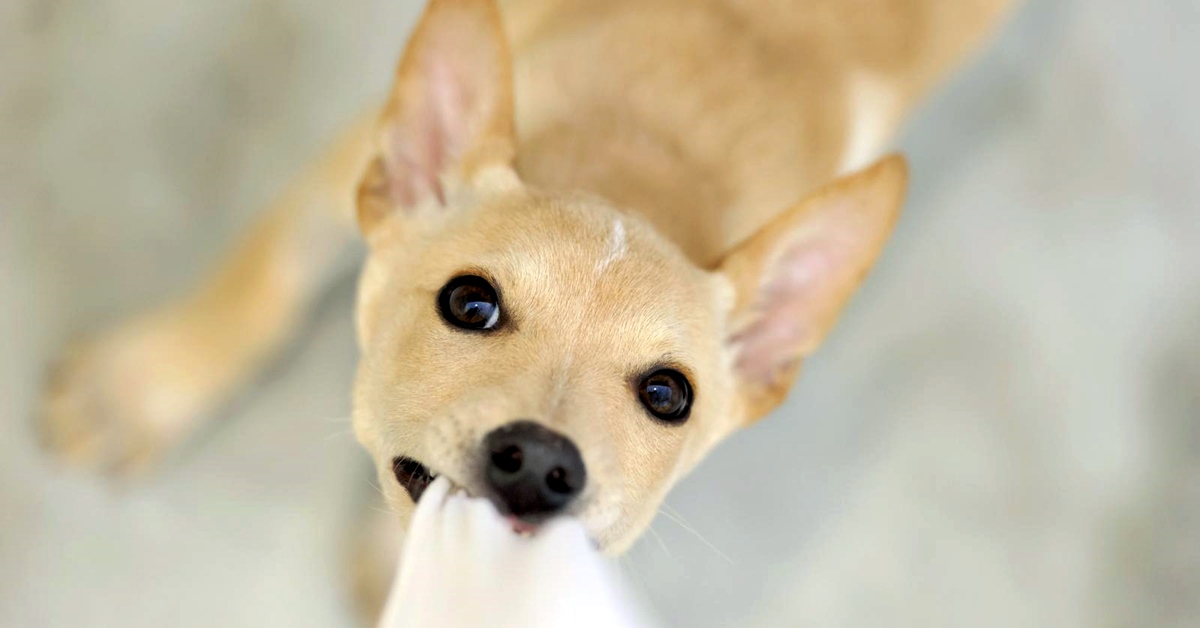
(549, 350)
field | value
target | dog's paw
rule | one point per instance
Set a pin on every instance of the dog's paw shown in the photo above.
(115, 405)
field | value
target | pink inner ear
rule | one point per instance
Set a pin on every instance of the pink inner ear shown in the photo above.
(434, 132)
(787, 315)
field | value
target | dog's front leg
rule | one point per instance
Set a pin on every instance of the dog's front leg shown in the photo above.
(119, 400)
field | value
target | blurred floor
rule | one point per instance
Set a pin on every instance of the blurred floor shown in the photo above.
(1004, 431)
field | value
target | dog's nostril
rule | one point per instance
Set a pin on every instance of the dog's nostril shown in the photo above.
(556, 481)
(508, 459)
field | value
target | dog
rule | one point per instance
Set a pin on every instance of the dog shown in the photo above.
(602, 237)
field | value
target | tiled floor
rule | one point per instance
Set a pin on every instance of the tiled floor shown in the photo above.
(1004, 431)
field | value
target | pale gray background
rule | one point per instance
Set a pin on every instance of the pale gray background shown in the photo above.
(1004, 431)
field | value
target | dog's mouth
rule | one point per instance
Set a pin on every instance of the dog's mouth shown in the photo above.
(416, 478)
(413, 476)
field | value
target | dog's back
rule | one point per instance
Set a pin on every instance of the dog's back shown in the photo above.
(710, 116)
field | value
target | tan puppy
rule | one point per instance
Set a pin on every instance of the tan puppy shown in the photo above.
(602, 238)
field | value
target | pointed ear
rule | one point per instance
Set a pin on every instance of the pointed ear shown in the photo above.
(794, 275)
(449, 115)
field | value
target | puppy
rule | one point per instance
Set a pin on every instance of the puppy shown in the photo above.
(603, 236)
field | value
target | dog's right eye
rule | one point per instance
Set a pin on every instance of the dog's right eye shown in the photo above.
(470, 302)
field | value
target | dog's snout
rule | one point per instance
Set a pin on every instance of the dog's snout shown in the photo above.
(532, 470)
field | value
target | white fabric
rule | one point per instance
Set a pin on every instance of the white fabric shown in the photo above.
(462, 565)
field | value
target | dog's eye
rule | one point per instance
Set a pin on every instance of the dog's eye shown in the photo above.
(470, 302)
(666, 394)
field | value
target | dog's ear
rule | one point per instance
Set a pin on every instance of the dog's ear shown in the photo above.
(794, 275)
(449, 115)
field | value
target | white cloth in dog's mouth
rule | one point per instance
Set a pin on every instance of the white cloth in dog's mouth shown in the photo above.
(463, 565)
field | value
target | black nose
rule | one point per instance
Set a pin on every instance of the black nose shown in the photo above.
(533, 471)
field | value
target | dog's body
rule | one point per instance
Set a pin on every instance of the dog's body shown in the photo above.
(709, 117)
(646, 213)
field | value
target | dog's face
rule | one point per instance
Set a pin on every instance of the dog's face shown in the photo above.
(548, 350)
(557, 312)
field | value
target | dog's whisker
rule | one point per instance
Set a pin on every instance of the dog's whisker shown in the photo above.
(661, 543)
(382, 511)
(693, 532)
(375, 486)
(339, 434)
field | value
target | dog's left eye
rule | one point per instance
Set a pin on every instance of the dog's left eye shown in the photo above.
(470, 302)
(666, 394)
